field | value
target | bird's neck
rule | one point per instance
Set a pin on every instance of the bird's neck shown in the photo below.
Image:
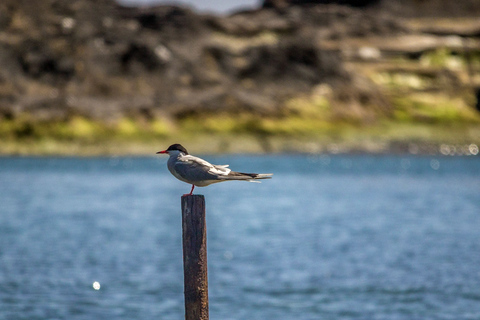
(175, 154)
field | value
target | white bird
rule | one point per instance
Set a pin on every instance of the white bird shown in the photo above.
(201, 173)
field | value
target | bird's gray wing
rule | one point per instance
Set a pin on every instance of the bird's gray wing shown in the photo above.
(196, 169)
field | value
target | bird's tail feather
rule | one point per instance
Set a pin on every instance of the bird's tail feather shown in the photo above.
(252, 177)
(263, 176)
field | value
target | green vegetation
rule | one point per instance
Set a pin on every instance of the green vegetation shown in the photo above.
(303, 122)
(80, 129)
(299, 117)
(309, 122)
(443, 57)
(430, 108)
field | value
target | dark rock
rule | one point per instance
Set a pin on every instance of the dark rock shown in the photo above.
(248, 23)
(102, 60)
(142, 56)
(477, 96)
(170, 22)
(294, 62)
(410, 8)
(284, 3)
(38, 61)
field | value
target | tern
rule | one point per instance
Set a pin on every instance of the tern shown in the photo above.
(200, 173)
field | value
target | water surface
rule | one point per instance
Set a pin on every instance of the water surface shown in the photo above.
(329, 237)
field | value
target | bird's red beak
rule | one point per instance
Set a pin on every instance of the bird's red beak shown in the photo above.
(164, 151)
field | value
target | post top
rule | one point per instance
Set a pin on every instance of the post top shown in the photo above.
(193, 196)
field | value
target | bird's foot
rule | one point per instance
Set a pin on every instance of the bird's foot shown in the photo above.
(191, 191)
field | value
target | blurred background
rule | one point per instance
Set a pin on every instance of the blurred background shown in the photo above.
(366, 112)
(106, 77)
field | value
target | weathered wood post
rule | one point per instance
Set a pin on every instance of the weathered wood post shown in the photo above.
(194, 230)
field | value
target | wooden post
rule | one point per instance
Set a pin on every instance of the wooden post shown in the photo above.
(195, 257)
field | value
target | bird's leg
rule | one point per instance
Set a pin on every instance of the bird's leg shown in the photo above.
(191, 191)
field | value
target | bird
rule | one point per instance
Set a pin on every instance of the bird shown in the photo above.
(201, 173)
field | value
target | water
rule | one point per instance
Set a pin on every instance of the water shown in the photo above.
(329, 237)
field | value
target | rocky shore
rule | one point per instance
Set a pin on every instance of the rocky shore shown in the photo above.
(96, 66)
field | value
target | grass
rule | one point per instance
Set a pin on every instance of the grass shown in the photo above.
(342, 136)
(304, 123)
(434, 108)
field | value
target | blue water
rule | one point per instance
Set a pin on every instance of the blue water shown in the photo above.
(329, 237)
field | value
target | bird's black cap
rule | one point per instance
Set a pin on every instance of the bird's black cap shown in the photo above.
(178, 147)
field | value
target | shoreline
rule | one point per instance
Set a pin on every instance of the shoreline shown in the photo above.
(204, 144)
(310, 136)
